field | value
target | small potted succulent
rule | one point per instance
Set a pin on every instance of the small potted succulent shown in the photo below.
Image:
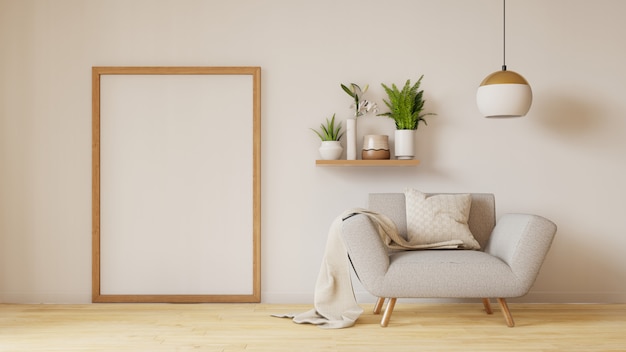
(405, 108)
(330, 134)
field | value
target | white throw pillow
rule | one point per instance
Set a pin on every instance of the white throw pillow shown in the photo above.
(439, 218)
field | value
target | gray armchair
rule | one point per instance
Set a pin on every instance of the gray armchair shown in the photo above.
(512, 252)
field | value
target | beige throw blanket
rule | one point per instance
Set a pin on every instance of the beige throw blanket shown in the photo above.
(335, 306)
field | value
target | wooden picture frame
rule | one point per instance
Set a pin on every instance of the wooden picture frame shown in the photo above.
(176, 184)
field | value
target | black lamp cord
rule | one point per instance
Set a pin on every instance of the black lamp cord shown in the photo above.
(503, 35)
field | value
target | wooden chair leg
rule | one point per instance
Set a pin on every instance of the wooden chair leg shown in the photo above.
(385, 321)
(507, 313)
(379, 305)
(487, 305)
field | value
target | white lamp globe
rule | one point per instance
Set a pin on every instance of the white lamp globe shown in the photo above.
(504, 94)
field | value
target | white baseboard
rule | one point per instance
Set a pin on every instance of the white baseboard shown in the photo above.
(45, 297)
(532, 297)
(572, 297)
(307, 298)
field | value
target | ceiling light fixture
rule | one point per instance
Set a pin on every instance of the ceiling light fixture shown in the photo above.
(504, 93)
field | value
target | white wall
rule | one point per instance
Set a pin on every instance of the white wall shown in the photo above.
(565, 160)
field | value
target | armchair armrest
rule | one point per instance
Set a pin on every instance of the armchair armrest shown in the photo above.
(522, 241)
(365, 248)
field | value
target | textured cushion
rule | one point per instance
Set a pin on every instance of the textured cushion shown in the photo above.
(448, 273)
(439, 218)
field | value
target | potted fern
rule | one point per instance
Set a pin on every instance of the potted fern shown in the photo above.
(330, 134)
(406, 107)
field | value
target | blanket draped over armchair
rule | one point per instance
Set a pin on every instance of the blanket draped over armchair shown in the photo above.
(335, 306)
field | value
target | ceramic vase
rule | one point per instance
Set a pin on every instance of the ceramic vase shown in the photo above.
(404, 144)
(351, 139)
(331, 150)
(375, 147)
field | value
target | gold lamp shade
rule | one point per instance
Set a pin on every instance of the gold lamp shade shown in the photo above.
(504, 94)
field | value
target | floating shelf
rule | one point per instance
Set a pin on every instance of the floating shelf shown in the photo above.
(392, 162)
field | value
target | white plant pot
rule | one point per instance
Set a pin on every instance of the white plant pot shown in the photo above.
(331, 150)
(404, 144)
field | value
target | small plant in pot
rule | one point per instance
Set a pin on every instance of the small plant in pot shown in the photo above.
(406, 107)
(330, 134)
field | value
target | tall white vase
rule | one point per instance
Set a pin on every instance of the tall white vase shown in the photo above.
(404, 144)
(351, 139)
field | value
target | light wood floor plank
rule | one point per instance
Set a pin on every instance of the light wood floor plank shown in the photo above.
(249, 327)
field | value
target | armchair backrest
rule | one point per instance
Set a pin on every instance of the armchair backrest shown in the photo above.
(482, 217)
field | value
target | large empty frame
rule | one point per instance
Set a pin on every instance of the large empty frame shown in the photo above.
(176, 184)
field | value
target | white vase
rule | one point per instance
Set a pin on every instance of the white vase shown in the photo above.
(331, 150)
(351, 139)
(404, 144)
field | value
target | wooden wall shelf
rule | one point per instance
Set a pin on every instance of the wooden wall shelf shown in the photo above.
(392, 162)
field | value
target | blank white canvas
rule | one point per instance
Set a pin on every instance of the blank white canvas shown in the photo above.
(176, 184)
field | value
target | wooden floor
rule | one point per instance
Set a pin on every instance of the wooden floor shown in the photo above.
(249, 327)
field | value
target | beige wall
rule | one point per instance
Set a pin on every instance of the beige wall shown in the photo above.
(565, 160)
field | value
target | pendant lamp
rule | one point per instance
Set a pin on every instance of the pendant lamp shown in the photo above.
(504, 93)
